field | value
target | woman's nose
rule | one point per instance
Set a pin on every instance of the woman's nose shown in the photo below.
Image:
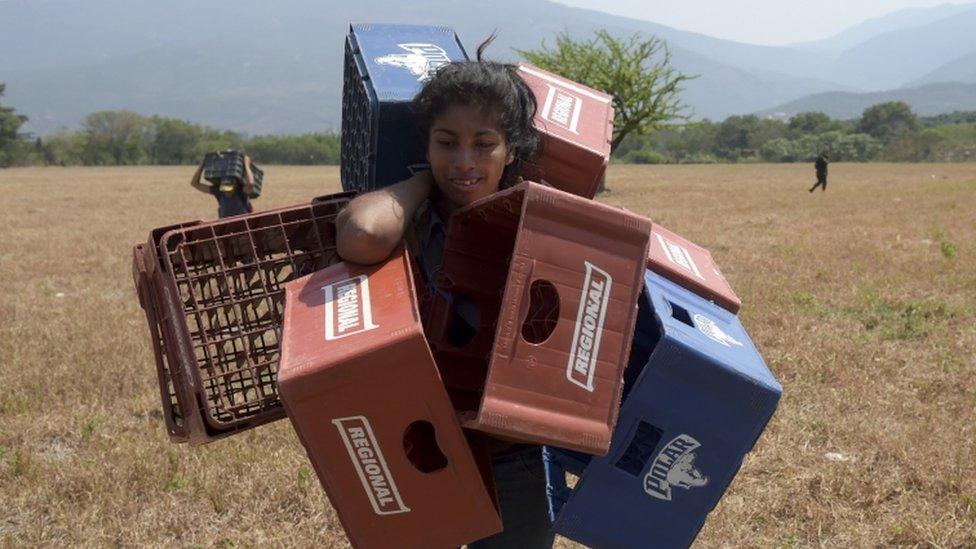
(464, 160)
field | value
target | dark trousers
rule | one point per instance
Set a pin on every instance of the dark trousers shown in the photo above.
(821, 182)
(520, 482)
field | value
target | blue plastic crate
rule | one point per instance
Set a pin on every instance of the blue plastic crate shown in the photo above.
(385, 67)
(696, 399)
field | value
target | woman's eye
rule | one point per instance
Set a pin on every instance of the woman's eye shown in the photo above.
(486, 145)
(444, 142)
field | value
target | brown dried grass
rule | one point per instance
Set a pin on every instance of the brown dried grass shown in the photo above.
(862, 300)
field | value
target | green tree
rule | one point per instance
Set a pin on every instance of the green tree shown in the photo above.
(174, 141)
(10, 137)
(215, 140)
(887, 121)
(117, 137)
(812, 123)
(779, 150)
(955, 117)
(65, 148)
(738, 137)
(636, 71)
(307, 149)
(693, 143)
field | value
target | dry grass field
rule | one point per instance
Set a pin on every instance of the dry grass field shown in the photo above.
(861, 299)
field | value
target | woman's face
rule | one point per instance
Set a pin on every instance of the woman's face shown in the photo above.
(467, 154)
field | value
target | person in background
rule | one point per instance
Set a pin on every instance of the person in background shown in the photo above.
(232, 197)
(820, 164)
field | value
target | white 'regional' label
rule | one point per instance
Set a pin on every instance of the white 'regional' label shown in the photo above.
(585, 349)
(674, 466)
(562, 108)
(347, 308)
(421, 59)
(370, 465)
(679, 255)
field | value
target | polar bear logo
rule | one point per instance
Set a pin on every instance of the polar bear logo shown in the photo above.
(715, 332)
(421, 59)
(674, 466)
(684, 475)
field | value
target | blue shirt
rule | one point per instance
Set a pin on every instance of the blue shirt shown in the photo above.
(429, 238)
(235, 204)
(430, 234)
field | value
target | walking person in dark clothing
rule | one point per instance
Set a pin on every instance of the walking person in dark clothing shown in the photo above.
(820, 164)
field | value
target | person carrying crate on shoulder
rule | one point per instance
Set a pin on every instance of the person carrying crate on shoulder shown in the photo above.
(230, 178)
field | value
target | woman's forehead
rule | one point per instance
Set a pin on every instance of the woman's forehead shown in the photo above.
(467, 119)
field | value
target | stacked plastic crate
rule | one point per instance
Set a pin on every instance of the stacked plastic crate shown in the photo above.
(362, 391)
(384, 68)
(554, 279)
(576, 123)
(213, 297)
(228, 166)
(697, 397)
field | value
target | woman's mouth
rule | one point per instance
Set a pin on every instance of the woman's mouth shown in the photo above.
(465, 183)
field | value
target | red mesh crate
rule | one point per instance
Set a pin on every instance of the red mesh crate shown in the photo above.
(363, 393)
(576, 123)
(145, 273)
(148, 300)
(216, 316)
(535, 340)
(688, 264)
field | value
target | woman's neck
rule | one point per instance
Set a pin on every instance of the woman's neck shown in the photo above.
(444, 207)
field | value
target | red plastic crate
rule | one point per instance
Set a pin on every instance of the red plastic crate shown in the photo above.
(148, 300)
(688, 264)
(145, 273)
(363, 393)
(216, 295)
(576, 123)
(554, 281)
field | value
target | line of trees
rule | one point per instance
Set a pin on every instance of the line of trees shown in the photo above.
(884, 132)
(125, 138)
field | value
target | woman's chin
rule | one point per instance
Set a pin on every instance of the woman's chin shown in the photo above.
(465, 194)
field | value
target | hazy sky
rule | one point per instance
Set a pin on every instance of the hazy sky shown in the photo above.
(773, 22)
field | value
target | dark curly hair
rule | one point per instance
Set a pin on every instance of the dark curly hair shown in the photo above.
(495, 88)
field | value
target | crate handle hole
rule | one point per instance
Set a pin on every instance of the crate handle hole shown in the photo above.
(543, 313)
(420, 445)
(681, 314)
(641, 448)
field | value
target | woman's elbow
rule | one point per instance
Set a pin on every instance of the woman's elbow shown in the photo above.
(361, 243)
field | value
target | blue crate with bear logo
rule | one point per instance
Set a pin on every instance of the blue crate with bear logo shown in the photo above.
(385, 66)
(697, 396)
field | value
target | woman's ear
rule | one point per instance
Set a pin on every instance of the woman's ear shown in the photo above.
(510, 157)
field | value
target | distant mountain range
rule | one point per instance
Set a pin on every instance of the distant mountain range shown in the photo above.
(962, 69)
(892, 22)
(259, 67)
(928, 100)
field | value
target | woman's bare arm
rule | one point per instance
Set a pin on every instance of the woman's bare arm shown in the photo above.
(195, 182)
(248, 176)
(372, 225)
